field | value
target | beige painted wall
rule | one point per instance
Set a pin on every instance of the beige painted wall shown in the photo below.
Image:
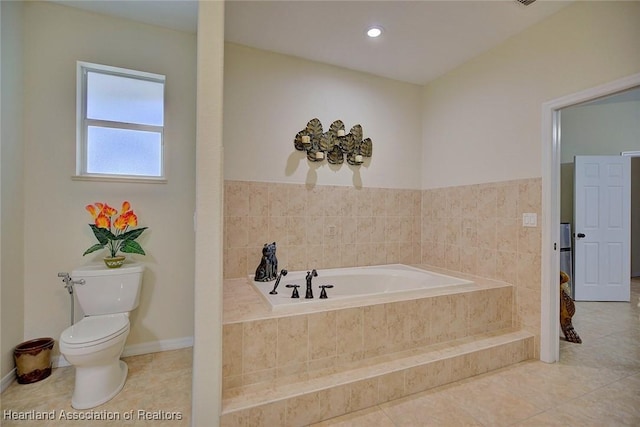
(56, 232)
(11, 187)
(482, 121)
(271, 97)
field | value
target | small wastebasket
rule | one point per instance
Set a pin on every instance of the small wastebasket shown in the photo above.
(33, 360)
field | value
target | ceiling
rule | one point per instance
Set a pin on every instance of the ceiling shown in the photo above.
(421, 40)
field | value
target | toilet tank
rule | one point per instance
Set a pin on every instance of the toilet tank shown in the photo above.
(108, 290)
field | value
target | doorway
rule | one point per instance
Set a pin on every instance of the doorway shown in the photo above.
(551, 132)
(607, 126)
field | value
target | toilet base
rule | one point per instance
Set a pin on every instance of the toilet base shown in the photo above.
(96, 385)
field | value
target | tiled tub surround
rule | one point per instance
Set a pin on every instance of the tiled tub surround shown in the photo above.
(477, 229)
(474, 229)
(295, 369)
(319, 227)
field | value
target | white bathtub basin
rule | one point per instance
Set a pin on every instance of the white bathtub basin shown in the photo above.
(355, 282)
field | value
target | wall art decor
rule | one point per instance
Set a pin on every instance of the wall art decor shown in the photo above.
(335, 144)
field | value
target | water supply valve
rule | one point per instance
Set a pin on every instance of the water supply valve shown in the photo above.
(69, 282)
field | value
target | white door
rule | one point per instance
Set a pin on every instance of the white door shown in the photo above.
(602, 228)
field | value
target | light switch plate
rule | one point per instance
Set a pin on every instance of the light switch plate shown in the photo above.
(529, 220)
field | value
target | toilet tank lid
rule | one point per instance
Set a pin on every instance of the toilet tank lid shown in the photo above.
(98, 269)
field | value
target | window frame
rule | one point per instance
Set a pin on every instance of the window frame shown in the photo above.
(83, 123)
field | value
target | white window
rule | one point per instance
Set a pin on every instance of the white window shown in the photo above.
(120, 123)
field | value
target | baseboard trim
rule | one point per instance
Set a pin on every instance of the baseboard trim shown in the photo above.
(138, 349)
(7, 380)
(157, 346)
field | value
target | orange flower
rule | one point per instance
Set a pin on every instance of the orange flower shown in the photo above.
(126, 207)
(108, 210)
(92, 210)
(126, 219)
(130, 218)
(103, 221)
(120, 223)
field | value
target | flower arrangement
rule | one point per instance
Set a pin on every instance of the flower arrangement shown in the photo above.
(122, 238)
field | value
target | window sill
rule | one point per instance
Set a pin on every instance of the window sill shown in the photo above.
(120, 178)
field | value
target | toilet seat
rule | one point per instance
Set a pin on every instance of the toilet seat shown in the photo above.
(94, 330)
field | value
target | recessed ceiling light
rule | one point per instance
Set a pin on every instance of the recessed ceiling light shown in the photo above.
(374, 32)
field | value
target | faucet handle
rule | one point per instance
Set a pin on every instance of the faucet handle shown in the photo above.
(323, 292)
(295, 290)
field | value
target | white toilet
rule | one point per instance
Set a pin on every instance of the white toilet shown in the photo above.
(94, 344)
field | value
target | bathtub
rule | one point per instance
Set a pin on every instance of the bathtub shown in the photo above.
(353, 283)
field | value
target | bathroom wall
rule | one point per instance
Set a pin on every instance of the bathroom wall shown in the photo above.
(11, 185)
(470, 228)
(268, 98)
(56, 232)
(320, 215)
(482, 121)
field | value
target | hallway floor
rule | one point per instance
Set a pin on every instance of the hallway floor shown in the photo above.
(596, 383)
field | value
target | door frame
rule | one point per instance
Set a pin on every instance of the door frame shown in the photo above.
(549, 295)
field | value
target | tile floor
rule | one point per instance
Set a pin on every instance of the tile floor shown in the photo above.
(158, 384)
(596, 383)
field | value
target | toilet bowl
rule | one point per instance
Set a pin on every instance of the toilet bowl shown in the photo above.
(94, 344)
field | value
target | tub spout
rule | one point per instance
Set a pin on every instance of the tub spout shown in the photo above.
(310, 276)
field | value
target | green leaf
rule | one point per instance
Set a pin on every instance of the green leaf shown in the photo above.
(102, 234)
(131, 234)
(93, 248)
(131, 247)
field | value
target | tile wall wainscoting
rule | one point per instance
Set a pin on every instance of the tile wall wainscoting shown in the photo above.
(475, 229)
(370, 226)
